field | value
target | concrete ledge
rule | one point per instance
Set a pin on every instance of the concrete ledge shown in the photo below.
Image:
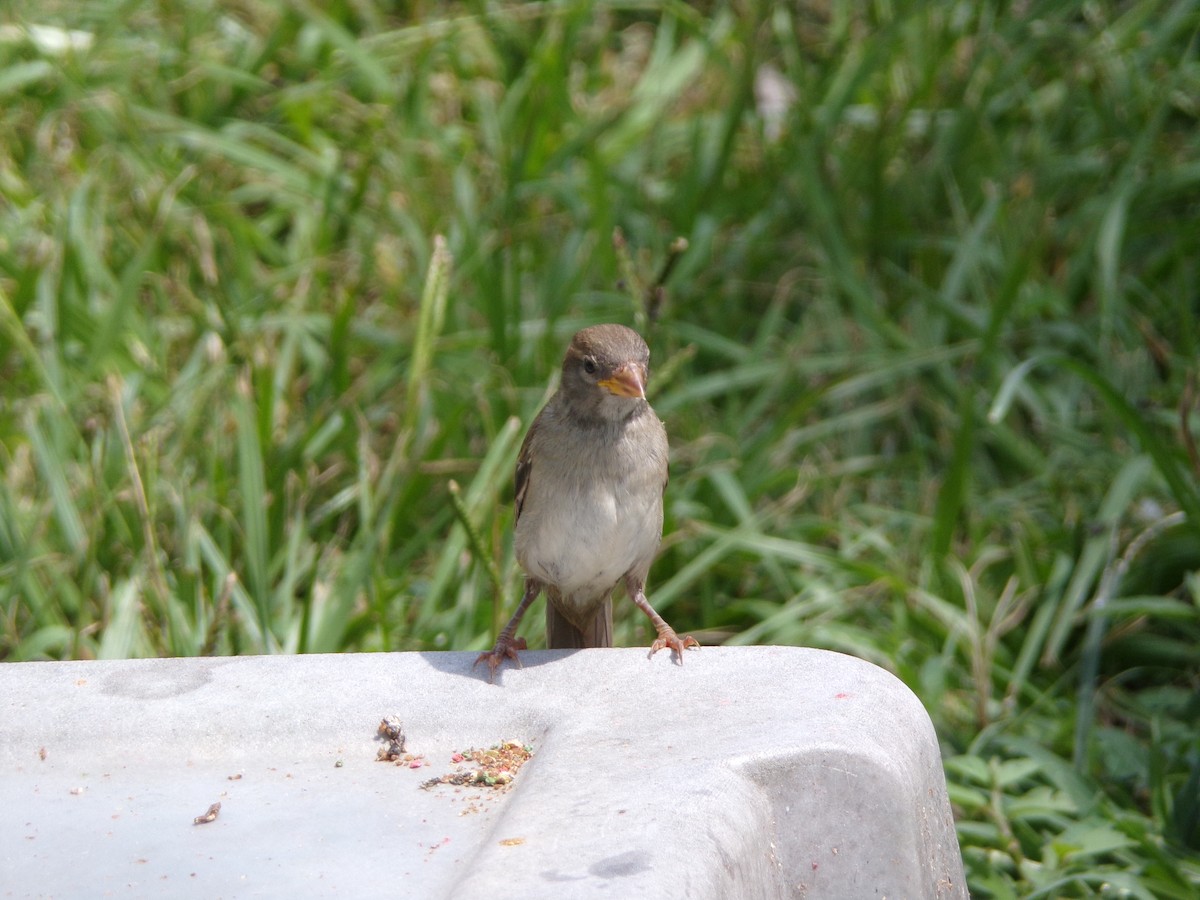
(746, 772)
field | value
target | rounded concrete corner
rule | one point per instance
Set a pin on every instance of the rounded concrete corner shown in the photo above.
(749, 772)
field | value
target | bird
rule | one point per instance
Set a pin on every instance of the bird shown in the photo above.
(590, 479)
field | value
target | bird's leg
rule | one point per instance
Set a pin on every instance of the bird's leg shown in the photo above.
(666, 634)
(507, 644)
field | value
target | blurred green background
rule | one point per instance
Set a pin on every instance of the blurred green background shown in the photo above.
(280, 284)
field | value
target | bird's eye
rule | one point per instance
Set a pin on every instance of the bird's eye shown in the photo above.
(589, 365)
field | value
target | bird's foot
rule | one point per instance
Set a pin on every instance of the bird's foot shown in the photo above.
(506, 647)
(668, 639)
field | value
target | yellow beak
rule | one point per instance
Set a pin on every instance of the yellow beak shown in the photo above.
(626, 381)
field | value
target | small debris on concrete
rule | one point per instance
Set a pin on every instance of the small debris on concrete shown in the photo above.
(209, 816)
(494, 768)
(391, 729)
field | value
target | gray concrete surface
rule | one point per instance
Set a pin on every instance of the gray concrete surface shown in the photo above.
(747, 772)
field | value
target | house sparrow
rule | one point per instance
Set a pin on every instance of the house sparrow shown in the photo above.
(590, 480)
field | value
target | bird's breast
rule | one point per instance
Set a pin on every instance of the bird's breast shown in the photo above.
(582, 534)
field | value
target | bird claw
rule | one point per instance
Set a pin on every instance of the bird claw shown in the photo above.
(669, 639)
(506, 647)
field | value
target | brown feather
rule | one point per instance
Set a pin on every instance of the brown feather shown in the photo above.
(521, 476)
(562, 635)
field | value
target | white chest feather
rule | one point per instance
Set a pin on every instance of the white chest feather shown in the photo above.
(589, 521)
(585, 542)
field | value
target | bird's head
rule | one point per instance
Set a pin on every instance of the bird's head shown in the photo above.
(605, 371)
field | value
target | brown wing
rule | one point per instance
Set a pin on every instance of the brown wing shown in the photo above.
(666, 468)
(524, 465)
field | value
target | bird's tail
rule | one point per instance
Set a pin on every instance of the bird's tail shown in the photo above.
(562, 635)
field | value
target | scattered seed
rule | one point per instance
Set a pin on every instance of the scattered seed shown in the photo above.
(496, 767)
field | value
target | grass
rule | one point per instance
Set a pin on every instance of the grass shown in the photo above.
(280, 283)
